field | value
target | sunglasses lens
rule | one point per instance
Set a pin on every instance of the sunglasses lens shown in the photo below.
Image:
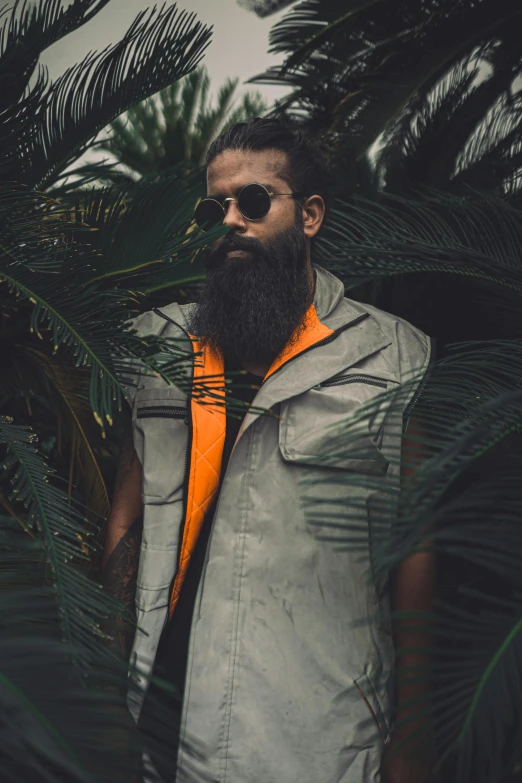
(254, 202)
(208, 214)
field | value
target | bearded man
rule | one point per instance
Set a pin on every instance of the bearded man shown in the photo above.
(279, 641)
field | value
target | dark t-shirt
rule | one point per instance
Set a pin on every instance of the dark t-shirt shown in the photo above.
(171, 658)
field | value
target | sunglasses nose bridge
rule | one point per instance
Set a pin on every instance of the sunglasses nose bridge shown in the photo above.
(232, 216)
(226, 203)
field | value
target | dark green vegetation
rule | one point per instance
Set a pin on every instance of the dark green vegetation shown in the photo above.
(175, 127)
(73, 269)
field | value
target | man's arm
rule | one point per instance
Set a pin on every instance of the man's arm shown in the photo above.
(122, 545)
(413, 590)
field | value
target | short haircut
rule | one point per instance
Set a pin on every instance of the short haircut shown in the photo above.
(306, 172)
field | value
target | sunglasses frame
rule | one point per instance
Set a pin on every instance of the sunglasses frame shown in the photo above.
(271, 194)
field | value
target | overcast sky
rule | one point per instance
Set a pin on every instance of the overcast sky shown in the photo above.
(238, 48)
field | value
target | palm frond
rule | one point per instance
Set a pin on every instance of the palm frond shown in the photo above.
(443, 134)
(176, 126)
(159, 47)
(355, 68)
(80, 314)
(57, 728)
(435, 232)
(82, 604)
(166, 206)
(477, 669)
(465, 485)
(252, 105)
(17, 130)
(414, 134)
(264, 7)
(68, 395)
(27, 31)
(461, 493)
(314, 26)
(77, 177)
(493, 156)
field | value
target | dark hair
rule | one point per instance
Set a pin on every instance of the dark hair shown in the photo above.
(306, 171)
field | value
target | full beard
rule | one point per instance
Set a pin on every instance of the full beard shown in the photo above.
(250, 309)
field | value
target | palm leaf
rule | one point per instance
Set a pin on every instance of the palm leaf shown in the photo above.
(81, 602)
(176, 126)
(355, 74)
(467, 485)
(166, 206)
(30, 29)
(436, 232)
(159, 47)
(334, 17)
(71, 405)
(457, 123)
(461, 494)
(264, 7)
(54, 727)
(79, 314)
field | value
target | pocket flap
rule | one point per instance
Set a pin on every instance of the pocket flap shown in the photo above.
(313, 431)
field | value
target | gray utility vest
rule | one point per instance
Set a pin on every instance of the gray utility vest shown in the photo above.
(290, 663)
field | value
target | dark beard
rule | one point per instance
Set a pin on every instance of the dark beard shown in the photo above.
(249, 308)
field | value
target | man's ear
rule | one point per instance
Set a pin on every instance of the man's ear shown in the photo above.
(313, 215)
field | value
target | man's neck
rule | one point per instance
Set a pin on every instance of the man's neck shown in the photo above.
(255, 368)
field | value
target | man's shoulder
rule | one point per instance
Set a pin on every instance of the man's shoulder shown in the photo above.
(410, 350)
(167, 320)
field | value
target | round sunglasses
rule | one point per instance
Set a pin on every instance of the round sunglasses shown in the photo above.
(253, 201)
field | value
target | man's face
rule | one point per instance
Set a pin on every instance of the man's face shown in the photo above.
(234, 169)
(259, 284)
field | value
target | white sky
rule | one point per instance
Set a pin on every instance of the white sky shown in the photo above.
(238, 48)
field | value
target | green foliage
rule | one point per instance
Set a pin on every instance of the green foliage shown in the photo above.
(404, 69)
(175, 127)
(264, 7)
(72, 273)
(49, 124)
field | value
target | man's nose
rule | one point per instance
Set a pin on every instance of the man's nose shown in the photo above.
(233, 219)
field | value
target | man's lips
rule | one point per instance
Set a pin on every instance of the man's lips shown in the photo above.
(239, 254)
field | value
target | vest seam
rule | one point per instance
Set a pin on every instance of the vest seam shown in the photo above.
(234, 639)
(186, 695)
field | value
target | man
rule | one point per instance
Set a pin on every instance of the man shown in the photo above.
(279, 640)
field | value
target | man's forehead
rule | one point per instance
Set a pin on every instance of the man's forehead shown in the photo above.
(234, 168)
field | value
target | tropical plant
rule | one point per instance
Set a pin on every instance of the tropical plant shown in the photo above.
(265, 7)
(175, 127)
(68, 288)
(393, 73)
(428, 227)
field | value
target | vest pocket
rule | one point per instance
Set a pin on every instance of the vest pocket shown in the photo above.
(334, 425)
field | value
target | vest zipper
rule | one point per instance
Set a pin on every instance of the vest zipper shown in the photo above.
(188, 421)
(162, 411)
(369, 379)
